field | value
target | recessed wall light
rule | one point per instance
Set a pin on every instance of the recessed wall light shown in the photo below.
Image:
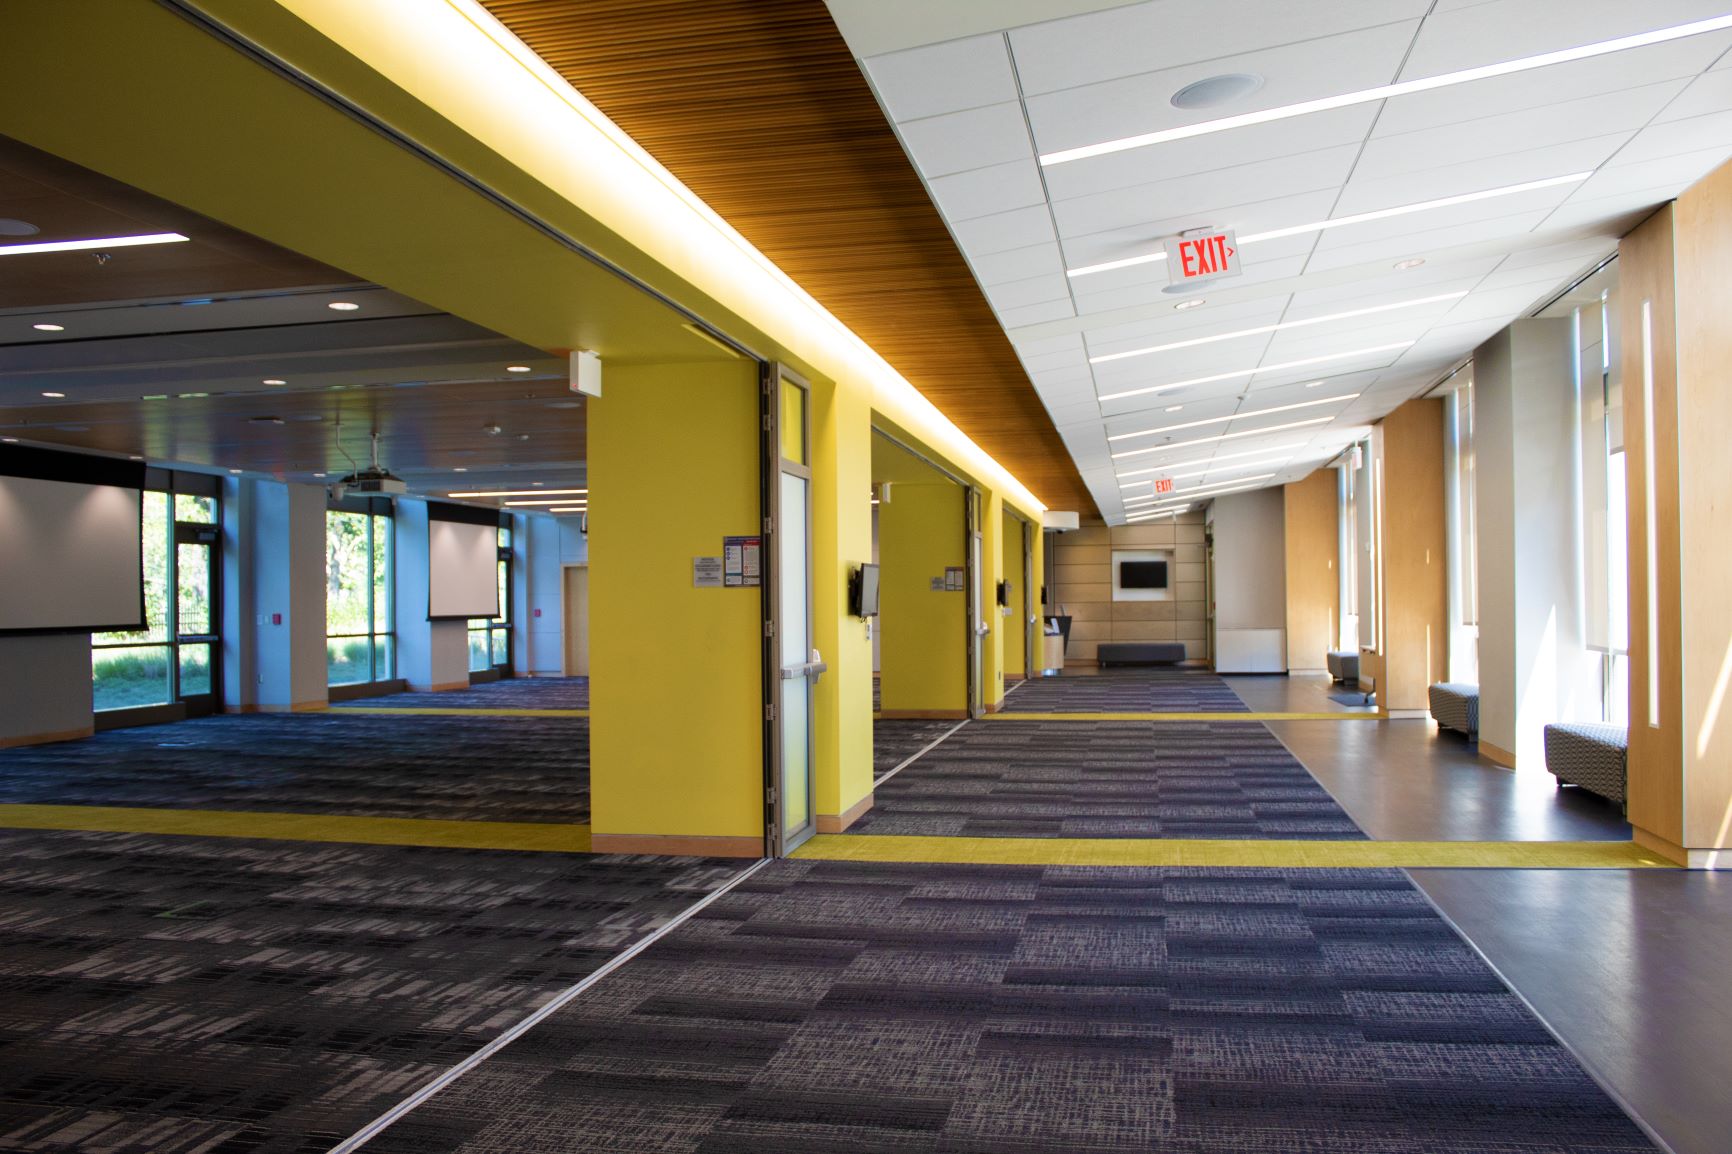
(1195, 302)
(46, 328)
(518, 369)
(273, 381)
(99, 242)
(1412, 262)
(343, 306)
(55, 395)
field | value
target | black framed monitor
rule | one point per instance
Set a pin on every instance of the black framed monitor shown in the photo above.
(863, 591)
(1142, 574)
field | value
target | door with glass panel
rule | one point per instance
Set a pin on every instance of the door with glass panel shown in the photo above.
(197, 646)
(977, 626)
(792, 665)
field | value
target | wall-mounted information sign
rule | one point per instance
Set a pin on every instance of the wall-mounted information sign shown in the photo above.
(740, 561)
(706, 572)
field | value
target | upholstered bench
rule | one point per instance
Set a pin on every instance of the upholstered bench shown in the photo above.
(1140, 652)
(1594, 757)
(1344, 665)
(1455, 705)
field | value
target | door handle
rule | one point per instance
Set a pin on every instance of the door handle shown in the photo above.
(981, 629)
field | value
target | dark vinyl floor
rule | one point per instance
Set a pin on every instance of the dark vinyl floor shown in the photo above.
(1006, 778)
(459, 768)
(172, 995)
(828, 1007)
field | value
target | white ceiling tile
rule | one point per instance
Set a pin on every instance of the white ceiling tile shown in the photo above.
(1034, 314)
(1539, 163)
(999, 231)
(1034, 290)
(1427, 244)
(975, 138)
(1167, 325)
(1146, 37)
(1712, 131)
(1039, 346)
(1133, 105)
(1041, 260)
(1510, 29)
(983, 191)
(1086, 248)
(1056, 359)
(1709, 92)
(1677, 172)
(939, 78)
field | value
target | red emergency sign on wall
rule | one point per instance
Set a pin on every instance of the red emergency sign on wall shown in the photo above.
(1202, 255)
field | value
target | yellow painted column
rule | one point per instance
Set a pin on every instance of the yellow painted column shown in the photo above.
(923, 655)
(992, 561)
(841, 542)
(676, 725)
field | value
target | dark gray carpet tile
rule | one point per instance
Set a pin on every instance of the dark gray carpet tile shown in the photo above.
(1191, 1010)
(1127, 691)
(181, 995)
(511, 693)
(533, 769)
(1108, 779)
(895, 740)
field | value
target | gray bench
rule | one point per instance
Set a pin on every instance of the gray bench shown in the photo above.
(1595, 757)
(1455, 705)
(1344, 665)
(1140, 653)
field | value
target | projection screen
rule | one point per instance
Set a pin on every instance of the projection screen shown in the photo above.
(462, 569)
(70, 556)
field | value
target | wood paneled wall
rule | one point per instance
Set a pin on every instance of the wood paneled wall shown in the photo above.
(1415, 570)
(1313, 579)
(1082, 571)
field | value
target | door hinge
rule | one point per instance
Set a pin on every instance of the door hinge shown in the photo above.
(766, 422)
(769, 629)
(770, 795)
(769, 713)
(769, 526)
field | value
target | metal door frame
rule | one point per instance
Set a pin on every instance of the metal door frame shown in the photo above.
(974, 558)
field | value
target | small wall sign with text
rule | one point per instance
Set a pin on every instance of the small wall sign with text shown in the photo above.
(740, 561)
(706, 572)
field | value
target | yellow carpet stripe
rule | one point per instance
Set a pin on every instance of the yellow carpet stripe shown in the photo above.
(1209, 852)
(1339, 715)
(319, 827)
(450, 711)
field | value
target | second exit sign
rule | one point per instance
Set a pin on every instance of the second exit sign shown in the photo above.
(1202, 255)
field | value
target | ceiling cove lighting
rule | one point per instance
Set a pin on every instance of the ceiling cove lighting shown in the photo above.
(1234, 417)
(524, 493)
(1289, 448)
(1212, 378)
(1278, 328)
(1356, 218)
(1386, 91)
(1221, 437)
(100, 242)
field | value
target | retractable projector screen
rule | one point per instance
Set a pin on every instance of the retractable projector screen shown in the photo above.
(463, 569)
(70, 556)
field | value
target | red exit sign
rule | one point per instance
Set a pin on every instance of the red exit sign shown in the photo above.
(1202, 255)
(1163, 484)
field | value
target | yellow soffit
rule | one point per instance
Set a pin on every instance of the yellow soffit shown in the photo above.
(454, 57)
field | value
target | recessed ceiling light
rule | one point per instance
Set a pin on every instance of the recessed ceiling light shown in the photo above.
(9, 440)
(318, 474)
(1215, 90)
(134, 457)
(1261, 330)
(523, 493)
(518, 369)
(11, 226)
(1195, 302)
(100, 242)
(555, 501)
(234, 470)
(1253, 372)
(273, 381)
(46, 328)
(1356, 218)
(1388, 91)
(343, 306)
(460, 469)
(1411, 262)
(192, 396)
(52, 394)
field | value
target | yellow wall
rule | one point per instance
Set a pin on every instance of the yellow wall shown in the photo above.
(676, 722)
(1013, 628)
(992, 566)
(923, 640)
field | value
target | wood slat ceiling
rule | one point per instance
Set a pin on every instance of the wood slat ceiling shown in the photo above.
(758, 106)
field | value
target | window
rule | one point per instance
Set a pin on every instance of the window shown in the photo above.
(1462, 527)
(1603, 567)
(490, 637)
(359, 646)
(173, 658)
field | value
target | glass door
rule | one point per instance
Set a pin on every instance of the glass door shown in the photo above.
(1030, 605)
(196, 642)
(977, 626)
(793, 666)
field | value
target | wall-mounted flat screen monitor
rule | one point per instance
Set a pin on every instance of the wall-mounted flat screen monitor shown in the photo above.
(866, 592)
(1142, 574)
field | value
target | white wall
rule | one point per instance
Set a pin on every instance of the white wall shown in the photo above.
(573, 545)
(1250, 532)
(287, 552)
(538, 576)
(1533, 668)
(430, 654)
(45, 690)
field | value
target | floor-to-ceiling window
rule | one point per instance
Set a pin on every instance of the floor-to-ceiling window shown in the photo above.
(1462, 525)
(1603, 532)
(359, 644)
(169, 666)
(490, 637)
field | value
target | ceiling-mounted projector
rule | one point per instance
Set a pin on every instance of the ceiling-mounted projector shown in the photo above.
(374, 479)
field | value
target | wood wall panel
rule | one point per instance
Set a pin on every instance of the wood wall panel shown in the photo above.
(760, 109)
(1082, 565)
(1415, 571)
(1313, 582)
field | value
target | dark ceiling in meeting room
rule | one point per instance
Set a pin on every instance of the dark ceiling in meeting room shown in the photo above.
(222, 351)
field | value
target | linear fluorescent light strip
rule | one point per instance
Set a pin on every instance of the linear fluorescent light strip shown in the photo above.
(1222, 437)
(1211, 469)
(1276, 328)
(1199, 490)
(1297, 445)
(1214, 377)
(1235, 417)
(1356, 218)
(102, 242)
(524, 493)
(525, 504)
(1194, 496)
(1160, 513)
(1386, 91)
